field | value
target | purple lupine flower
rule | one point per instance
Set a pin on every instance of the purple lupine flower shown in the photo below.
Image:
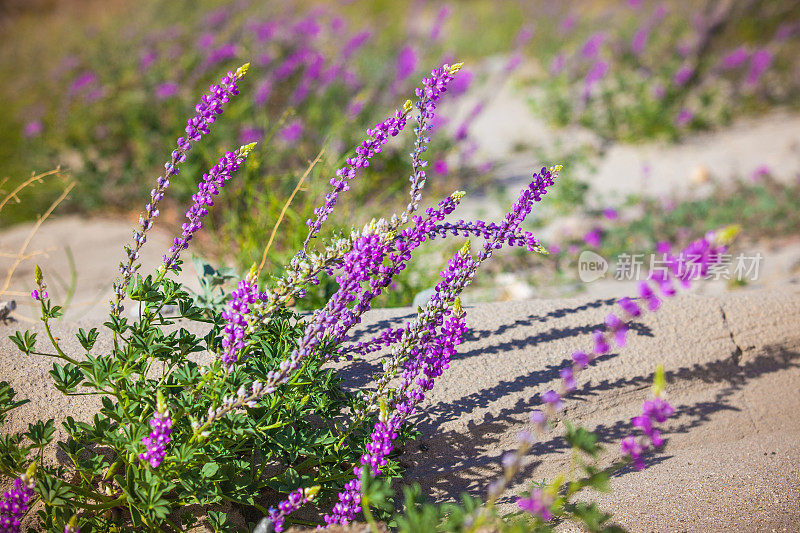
(617, 327)
(735, 58)
(17, 501)
(647, 294)
(601, 346)
(206, 113)
(553, 400)
(654, 411)
(72, 525)
(683, 75)
(292, 503)
(38, 295)
(538, 504)
(205, 41)
(292, 131)
(568, 379)
(440, 166)
(263, 90)
(209, 187)
(630, 307)
(406, 65)
(538, 418)
(592, 46)
(146, 60)
(461, 83)
(32, 129)
(581, 359)
(236, 314)
(759, 62)
(610, 213)
(264, 31)
(166, 90)
(308, 28)
(159, 437)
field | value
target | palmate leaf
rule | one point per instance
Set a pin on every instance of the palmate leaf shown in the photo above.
(7, 402)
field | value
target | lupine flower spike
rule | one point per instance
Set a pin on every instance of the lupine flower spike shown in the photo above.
(158, 439)
(17, 501)
(206, 112)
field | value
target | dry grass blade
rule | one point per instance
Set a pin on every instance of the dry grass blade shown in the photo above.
(34, 178)
(21, 254)
(286, 207)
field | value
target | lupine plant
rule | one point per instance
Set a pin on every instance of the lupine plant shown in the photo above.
(228, 413)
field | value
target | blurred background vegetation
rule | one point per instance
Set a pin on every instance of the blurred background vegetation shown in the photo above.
(103, 88)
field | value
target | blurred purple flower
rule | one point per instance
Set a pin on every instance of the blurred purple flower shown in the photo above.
(635, 4)
(594, 238)
(95, 94)
(307, 28)
(263, 91)
(683, 75)
(264, 30)
(205, 41)
(147, 59)
(82, 81)
(760, 62)
(406, 63)
(554, 249)
(760, 172)
(568, 23)
(514, 62)
(216, 17)
(32, 129)
(461, 82)
(222, 53)
(592, 46)
(683, 117)
(639, 41)
(684, 49)
(355, 43)
(610, 213)
(595, 74)
(166, 90)
(524, 36)
(292, 132)
(658, 91)
(786, 30)
(441, 18)
(557, 64)
(736, 58)
(249, 135)
(355, 107)
(337, 24)
(660, 12)
(440, 166)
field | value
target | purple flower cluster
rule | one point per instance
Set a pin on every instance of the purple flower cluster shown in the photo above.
(206, 112)
(209, 187)
(538, 504)
(292, 503)
(16, 502)
(158, 439)
(480, 228)
(432, 358)
(236, 314)
(654, 411)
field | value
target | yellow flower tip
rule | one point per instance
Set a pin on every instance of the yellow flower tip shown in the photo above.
(310, 492)
(659, 381)
(30, 473)
(542, 250)
(384, 416)
(455, 68)
(458, 195)
(556, 169)
(247, 148)
(161, 404)
(253, 272)
(727, 234)
(37, 274)
(466, 248)
(241, 71)
(407, 106)
(457, 309)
